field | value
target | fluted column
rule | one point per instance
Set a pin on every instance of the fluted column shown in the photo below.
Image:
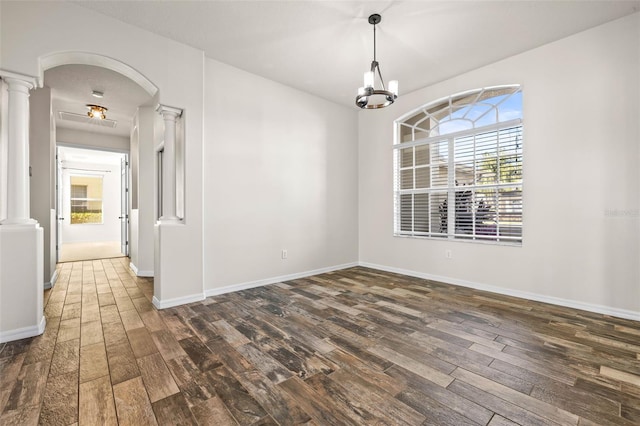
(170, 115)
(18, 148)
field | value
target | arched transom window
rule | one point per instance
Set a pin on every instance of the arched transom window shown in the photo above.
(458, 167)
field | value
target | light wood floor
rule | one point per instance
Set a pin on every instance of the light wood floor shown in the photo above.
(357, 346)
(73, 252)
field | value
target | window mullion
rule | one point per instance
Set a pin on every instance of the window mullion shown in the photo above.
(413, 196)
(474, 160)
(451, 193)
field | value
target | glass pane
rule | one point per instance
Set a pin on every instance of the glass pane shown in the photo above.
(439, 212)
(486, 144)
(511, 139)
(439, 152)
(423, 178)
(464, 211)
(478, 111)
(464, 154)
(440, 111)
(464, 173)
(422, 155)
(406, 179)
(511, 108)
(464, 148)
(406, 134)
(510, 211)
(406, 212)
(414, 128)
(490, 118)
(510, 142)
(459, 111)
(510, 168)
(86, 199)
(485, 217)
(78, 191)
(486, 161)
(439, 176)
(406, 157)
(421, 213)
(454, 126)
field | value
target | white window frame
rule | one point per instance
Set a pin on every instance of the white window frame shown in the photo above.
(448, 192)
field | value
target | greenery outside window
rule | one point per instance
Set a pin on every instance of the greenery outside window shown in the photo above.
(86, 199)
(458, 167)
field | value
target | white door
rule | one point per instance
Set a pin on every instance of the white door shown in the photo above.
(124, 205)
(59, 214)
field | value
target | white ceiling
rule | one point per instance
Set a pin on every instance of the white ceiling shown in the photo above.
(323, 47)
(72, 85)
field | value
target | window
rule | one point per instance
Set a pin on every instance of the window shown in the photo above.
(86, 199)
(458, 168)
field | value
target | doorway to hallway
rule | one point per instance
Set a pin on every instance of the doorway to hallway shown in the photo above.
(92, 204)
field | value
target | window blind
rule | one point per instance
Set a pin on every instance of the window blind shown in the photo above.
(464, 186)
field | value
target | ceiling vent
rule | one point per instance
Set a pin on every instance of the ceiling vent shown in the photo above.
(83, 118)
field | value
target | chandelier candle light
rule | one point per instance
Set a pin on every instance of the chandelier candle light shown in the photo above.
(369, 92)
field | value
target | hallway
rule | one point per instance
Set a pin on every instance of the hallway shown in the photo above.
(74, 252)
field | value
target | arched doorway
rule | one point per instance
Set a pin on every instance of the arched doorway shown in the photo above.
(74, 78)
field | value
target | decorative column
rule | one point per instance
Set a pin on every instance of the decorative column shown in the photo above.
(18, 148)
(21, 238)
(170, 115)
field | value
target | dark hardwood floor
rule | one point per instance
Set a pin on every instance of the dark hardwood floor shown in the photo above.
(357, 346)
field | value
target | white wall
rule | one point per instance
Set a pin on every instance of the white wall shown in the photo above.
(74, 137)
(109, 230)
(581, 152)
(4, 135)
(42, 180)
(30, 31)
(142, 217)
(280, 173)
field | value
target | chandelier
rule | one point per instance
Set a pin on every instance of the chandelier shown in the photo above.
(368, 96)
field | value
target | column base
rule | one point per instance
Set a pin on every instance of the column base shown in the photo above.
(174, 262)
(21, 281)
(170, 219)
(18, 222)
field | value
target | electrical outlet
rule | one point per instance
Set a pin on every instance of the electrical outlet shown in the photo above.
(284, 253)
(448, 254)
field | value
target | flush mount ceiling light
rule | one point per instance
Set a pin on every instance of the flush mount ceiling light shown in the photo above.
(368, 96)
(96, 111)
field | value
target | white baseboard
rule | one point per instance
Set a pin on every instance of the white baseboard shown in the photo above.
(23, 333)
(140, 273)
(600, 309)
(259, 283)
(52, 281)
(170, 303)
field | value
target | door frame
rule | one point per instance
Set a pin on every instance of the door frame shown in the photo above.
(124, 204)
(59, 193)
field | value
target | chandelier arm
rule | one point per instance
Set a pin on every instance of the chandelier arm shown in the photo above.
(380, 75)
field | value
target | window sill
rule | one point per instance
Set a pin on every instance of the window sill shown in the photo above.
(462, 240)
